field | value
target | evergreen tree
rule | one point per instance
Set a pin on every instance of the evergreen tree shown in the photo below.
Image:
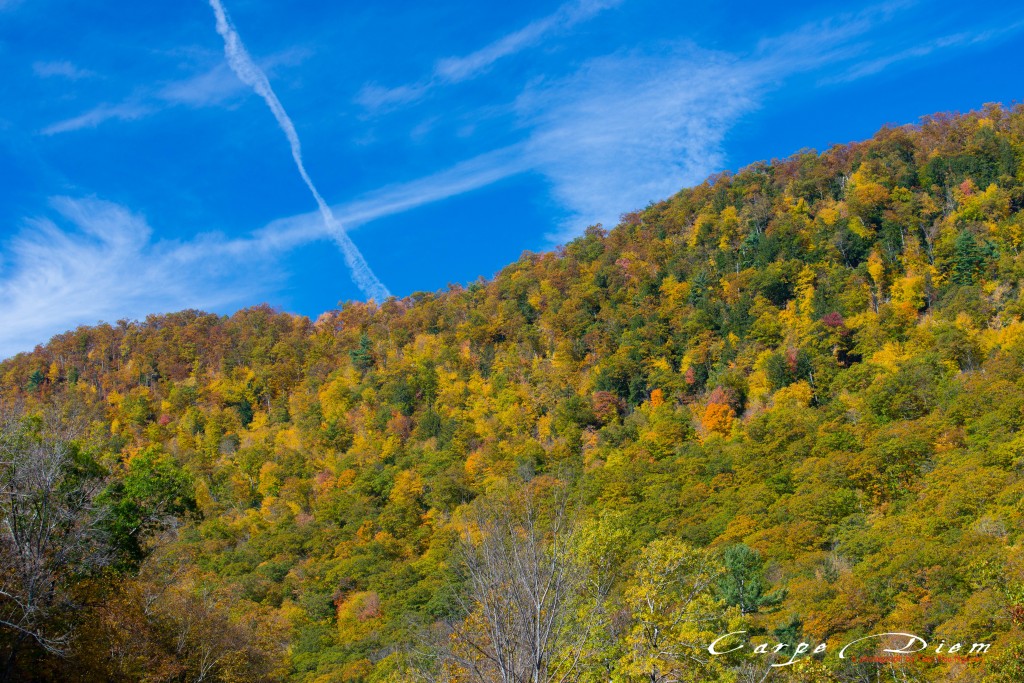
(35, 380)
(743, 583)
(968, 259)
(362, 356)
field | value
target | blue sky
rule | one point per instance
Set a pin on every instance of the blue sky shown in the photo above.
(146, 168)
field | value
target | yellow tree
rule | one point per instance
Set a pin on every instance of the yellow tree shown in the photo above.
(674, 615)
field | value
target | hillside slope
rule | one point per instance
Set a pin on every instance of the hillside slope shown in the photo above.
(809, 373)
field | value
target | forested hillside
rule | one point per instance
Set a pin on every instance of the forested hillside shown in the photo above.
(787, 401)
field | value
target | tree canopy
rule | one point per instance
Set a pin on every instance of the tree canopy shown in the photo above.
(792, 397)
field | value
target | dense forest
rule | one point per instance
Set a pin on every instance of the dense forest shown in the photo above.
(788, 401)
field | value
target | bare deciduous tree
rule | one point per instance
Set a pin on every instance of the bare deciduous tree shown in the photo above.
(49, 527)
(529, 611)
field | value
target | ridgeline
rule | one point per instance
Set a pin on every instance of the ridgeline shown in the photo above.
(788, 401)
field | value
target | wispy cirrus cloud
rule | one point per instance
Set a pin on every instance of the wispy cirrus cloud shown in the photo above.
(124, 111)
(61, 69)
(458, 69)
(211, 87)
(633, 128)
(94, 260)
(451, 70)
(400, 197)
(964, 39)
(219, 85)
(205, 89)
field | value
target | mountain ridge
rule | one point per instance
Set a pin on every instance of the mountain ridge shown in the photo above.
(803, 376)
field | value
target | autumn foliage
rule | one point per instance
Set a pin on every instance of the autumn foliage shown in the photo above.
(788, 401)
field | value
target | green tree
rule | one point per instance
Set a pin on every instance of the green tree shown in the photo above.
(362, 355)
(968, 259)
(35, 380)
(152, 494)
(743, 583)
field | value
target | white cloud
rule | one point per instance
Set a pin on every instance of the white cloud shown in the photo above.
(873, 66)
(205, 89)
(101, 263)
(125, 111)
(458, 69)
(62, 69)
(397, 198)
(208, 88)
(377, 97)
(630, 129)
(248, 72)
(219, 84)
(216, 86)
(452, 70)
(463, 177)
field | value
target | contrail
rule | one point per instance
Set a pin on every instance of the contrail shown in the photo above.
(250, 74)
